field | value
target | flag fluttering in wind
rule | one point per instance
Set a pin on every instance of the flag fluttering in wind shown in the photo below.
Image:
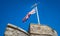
(33, 11)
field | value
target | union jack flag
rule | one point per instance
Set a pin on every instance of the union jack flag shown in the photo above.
(33, 11)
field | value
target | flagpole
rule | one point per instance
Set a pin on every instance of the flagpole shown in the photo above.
(37, 15)
(35, 5)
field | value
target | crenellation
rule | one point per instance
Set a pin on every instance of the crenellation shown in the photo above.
(35, 30)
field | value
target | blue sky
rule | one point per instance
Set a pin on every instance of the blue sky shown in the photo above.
(13, 11)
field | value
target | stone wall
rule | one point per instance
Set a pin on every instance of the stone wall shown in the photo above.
(12, 30)
(35, 30)
(41, 30)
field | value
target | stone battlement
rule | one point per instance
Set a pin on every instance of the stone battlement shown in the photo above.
(35, 30)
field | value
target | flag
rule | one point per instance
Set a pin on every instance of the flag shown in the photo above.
(33, 11)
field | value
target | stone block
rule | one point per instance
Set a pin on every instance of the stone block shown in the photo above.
(41, 30)
(34, 28)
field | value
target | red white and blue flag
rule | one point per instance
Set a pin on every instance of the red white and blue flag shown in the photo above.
(33, 11)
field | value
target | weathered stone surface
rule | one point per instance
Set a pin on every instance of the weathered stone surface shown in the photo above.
(12, 30)
(35, 30)
(41, 30)
(39, 35)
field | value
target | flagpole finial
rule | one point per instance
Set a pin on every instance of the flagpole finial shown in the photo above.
(34, 5)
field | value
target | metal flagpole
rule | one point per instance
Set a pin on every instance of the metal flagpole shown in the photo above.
(35, 5)
(37, 15)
